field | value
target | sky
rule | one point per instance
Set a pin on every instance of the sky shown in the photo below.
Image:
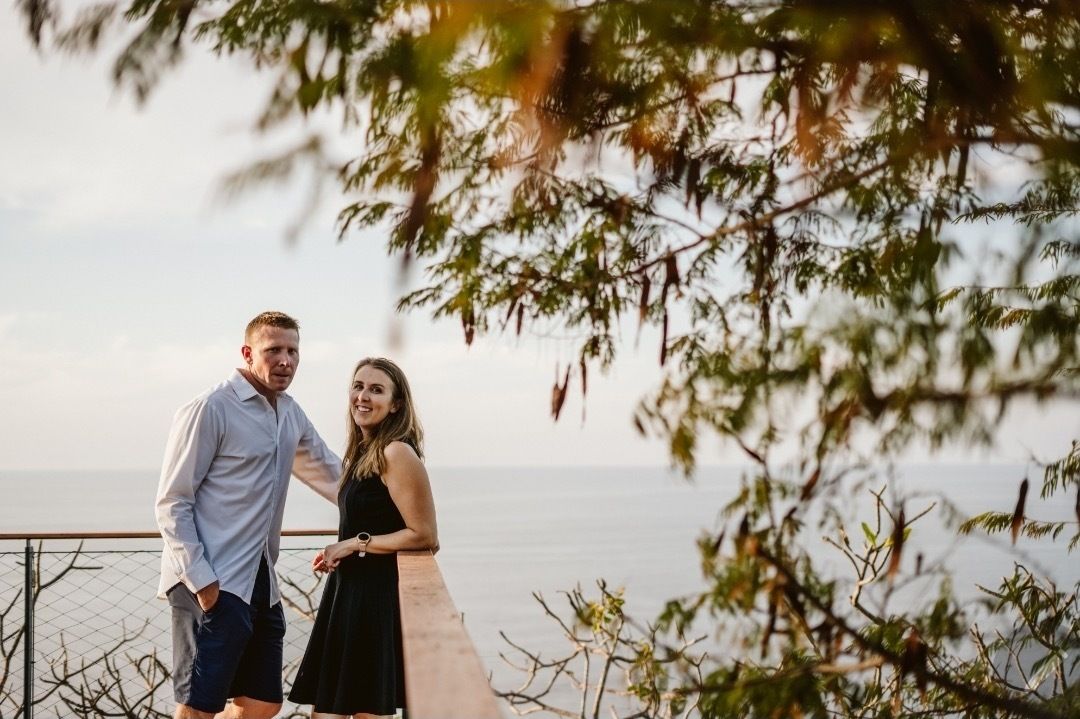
(127, 277)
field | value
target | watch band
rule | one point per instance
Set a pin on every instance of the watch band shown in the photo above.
(362, 540)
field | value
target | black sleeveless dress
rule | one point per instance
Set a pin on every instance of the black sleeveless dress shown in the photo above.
(353, 662)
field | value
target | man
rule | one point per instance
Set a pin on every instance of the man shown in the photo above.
(219, 507)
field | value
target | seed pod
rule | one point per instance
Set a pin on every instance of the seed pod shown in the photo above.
(897, 545)
(808, 487)
(584, 385)
(558, 394)
(671, 274)
(693, 173)
(1018, 513)
(825, 639)
(643, 303)
(423, 186)
(520, 317)
(468, 323)
(1078, 504)
(557, 398)
(663, 340)
(678, 156)
(770, 624)
(744, 529)
(913, 660)
(746, 542)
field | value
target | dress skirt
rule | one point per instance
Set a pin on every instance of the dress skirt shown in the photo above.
(353, 662)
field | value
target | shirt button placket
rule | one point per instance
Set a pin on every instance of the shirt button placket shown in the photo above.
(275, 498)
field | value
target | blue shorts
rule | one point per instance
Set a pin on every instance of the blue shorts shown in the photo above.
(233, 650)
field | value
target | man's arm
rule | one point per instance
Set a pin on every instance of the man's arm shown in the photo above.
(315, 465)
(193, 442)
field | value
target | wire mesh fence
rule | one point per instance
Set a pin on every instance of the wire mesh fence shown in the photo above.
(100, 639)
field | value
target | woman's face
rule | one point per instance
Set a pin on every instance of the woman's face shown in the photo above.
(371, 397)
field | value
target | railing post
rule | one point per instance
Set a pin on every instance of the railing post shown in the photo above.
(28, 634)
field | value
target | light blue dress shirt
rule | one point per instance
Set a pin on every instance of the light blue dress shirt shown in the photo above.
(223, 484)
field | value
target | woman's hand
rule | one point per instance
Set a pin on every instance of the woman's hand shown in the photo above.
(328, 559)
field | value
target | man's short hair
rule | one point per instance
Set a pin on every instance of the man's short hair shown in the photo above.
(270, 319)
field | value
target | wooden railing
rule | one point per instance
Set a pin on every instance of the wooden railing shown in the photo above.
(444, 677)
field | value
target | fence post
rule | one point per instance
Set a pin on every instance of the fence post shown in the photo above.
(28, 634)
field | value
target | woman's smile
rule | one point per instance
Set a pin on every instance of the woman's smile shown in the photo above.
(371, 397)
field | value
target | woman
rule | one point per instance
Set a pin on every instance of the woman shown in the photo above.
(353, 664)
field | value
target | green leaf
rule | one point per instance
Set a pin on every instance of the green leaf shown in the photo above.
(871, 537)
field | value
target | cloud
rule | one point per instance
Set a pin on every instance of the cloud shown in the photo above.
(86, 155)
(7, 321)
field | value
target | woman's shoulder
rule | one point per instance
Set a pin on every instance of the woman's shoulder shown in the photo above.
(401, 451)
(402, 463)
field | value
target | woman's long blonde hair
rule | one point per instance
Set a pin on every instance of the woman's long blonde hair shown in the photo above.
(366, 458)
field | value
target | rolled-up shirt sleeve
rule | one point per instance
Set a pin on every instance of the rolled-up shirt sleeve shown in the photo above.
(192, 445)
(315, 464)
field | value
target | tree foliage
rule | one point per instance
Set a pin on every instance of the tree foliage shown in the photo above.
(852, 224)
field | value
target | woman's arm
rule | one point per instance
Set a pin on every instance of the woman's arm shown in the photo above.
(407, 480)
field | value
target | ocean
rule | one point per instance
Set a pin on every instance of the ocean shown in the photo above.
(509, 532)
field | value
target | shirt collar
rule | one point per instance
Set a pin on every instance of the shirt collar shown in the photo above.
(241, 386)
(244, 389)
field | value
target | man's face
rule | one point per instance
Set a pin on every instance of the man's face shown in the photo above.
(272, 357)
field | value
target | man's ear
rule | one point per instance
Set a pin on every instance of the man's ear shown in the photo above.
(245, 351)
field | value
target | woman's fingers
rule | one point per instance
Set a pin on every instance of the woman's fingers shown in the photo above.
(321, 564)
(324, 562)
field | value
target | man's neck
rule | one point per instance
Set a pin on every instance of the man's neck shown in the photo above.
(271, 395)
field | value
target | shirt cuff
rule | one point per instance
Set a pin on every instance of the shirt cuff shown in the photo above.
(200, 575)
